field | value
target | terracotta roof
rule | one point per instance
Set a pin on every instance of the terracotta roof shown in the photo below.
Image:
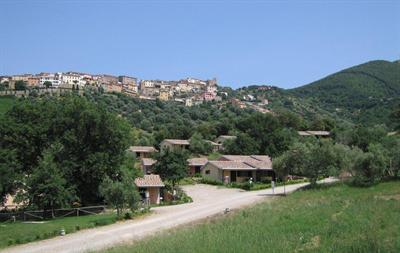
(177, 142)
(261, 165)
(197, 161)
(144, 149)
(237, 158)
(262, 158)
(148, 161)
(231, 165)
(149, 181)
(262, 162)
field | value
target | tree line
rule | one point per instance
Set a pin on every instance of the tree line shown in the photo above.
(58, 151)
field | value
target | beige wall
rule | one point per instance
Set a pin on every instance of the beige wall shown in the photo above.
(215, 173)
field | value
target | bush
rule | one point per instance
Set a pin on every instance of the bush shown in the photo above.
(128, 216)
(369, 167)
(211, 181)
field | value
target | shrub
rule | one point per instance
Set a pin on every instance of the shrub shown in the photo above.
(369, 167)
(128, 216)
(208, 180)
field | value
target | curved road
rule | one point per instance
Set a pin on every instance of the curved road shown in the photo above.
(207, 201)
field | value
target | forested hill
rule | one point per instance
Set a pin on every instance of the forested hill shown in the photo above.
(365, 94)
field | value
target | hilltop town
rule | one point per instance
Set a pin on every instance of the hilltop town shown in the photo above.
(189, 91)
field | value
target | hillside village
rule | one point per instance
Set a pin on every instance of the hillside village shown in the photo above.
(189, 91)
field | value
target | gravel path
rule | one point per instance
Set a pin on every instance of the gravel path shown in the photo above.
(207, 201)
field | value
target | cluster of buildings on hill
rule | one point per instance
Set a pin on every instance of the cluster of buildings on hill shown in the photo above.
(189, 91)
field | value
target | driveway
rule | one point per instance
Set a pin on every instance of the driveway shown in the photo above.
(207, 201)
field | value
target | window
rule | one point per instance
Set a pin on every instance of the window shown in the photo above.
(244, 174)
(207, 172)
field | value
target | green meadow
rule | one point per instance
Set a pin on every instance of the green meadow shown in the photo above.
(336, 218)
(19, 232)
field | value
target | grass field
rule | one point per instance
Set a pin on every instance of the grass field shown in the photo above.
(17, 233)
(331, 219)
(5, 104)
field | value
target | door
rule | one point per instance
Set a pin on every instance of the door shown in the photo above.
(233, 176)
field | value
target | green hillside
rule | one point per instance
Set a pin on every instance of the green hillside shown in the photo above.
(334, 219)
(365, 94)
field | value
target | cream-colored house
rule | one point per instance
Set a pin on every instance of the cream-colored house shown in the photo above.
(233, 168)
(150, 188)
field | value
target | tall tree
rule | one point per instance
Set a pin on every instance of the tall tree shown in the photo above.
(20, 85)
(120, 194)
(46, 188)
(47, 84)
(10, 179)
(198, 145)
(371, 166)
(396, 117)
(172, 165)
(243, 144)
(93, 140)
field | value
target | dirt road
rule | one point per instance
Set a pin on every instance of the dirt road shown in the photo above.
(207, 201)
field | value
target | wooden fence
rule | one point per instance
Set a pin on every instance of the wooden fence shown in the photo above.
(39, 215)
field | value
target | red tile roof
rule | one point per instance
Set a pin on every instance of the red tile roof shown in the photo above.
(149, 181)
(261, 162)
(197, 161)
(231, 165)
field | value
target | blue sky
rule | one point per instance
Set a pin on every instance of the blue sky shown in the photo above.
(286, 44)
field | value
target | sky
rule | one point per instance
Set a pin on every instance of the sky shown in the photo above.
(281, 43)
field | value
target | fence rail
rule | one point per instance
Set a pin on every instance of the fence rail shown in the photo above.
(39, 215)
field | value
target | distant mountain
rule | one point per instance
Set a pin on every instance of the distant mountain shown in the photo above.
(365, 94)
